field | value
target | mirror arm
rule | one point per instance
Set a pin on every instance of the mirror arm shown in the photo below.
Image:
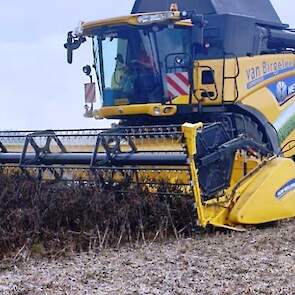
(72, 44)
(199, 23)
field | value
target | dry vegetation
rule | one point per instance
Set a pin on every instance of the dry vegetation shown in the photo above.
(77, 217)
(153, 250)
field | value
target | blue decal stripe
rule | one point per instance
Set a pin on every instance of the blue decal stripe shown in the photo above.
(285, 189)
(268, 76)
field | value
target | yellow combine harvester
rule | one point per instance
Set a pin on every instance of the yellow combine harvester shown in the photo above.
(205, 95)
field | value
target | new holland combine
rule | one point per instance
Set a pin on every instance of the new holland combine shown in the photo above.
(204, 95)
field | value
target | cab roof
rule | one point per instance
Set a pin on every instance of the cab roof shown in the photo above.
(133, 19)
(261, 10)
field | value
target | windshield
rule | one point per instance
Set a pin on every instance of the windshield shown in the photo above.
(132, 62)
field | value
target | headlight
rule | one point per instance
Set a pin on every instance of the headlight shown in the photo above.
(152, 18)
(157, 111)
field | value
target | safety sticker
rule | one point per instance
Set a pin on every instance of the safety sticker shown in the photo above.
(178, 84)
(287, 188)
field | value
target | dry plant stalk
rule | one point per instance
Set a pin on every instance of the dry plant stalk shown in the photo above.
(78, 217)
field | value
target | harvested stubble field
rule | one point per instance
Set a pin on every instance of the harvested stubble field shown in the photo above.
(53, 242)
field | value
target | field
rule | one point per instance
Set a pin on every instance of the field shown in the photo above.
(73, 239)
(259, 261)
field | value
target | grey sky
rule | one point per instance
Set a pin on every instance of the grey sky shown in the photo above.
(39, 89)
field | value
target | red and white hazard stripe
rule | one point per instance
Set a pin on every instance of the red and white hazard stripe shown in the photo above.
(177, 84)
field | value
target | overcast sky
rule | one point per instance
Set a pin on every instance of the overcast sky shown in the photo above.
(39, 90)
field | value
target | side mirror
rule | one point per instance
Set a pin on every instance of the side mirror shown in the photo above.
(72, 44)
(199, 23)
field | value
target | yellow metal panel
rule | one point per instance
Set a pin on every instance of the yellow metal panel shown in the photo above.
(183, 99)
(190, 135)
(289, 145)
(136, 109)
(199, 66)
(238, 167)
(258, 203)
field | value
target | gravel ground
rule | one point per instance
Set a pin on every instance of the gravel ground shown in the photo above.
(259, 261)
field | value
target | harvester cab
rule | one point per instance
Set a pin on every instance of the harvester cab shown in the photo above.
(134, 56)
(204, 92)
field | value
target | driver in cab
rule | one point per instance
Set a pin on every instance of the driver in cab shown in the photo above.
(122, 79)
(136, 78)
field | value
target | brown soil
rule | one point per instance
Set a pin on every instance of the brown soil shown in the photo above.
(259, 261)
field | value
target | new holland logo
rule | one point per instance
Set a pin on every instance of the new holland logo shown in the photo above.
(281, 91)
(288, 187)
